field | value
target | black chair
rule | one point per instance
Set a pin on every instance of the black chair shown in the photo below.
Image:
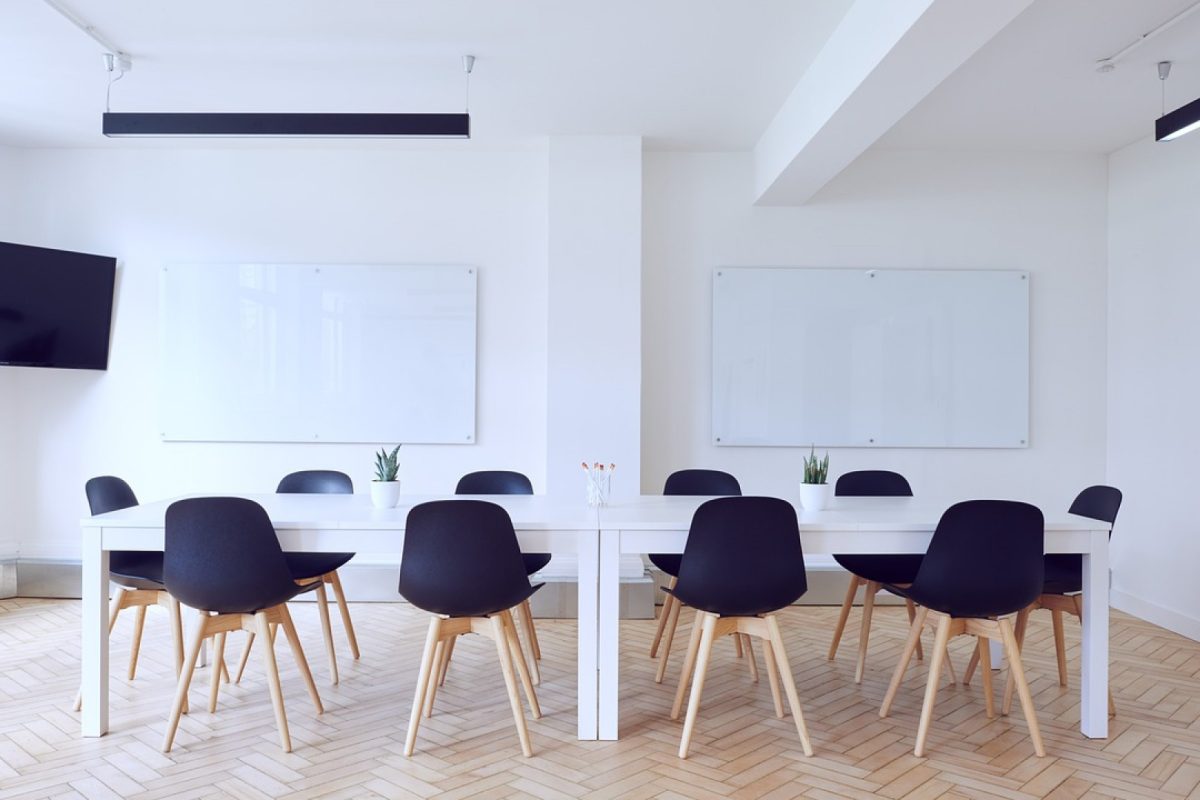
(984, 561)
(462, 564)
(137, 574)
(742, 563)
(222, 557)
(501, 481)
(872, 571)
(315, 570)
(1063, 583)
(694, 483)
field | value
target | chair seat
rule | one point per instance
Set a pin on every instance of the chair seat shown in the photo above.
(1064, 574)
(667, 562)
(954, 609)
(462, 605)
(137, 569)
(733, 605)
(535, 561)
(313, 565)
(886, 569)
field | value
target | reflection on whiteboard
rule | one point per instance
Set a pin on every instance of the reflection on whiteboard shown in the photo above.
(870, 358)
(327, 353)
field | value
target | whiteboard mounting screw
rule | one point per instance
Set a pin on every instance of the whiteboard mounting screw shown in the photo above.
(870, 441)
(718, 438)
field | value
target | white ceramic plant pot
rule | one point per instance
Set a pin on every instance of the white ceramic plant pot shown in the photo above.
(814, 496)
(385, 494)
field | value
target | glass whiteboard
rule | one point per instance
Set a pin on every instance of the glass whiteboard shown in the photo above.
(870, 358)
(318, 353)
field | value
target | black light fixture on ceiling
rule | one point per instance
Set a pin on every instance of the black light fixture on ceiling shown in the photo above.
(1184, 119)
(306, 125)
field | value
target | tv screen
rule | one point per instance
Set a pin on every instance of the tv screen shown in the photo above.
(55, 307)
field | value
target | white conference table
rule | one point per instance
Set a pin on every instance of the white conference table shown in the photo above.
(657, 524)
(598, 538)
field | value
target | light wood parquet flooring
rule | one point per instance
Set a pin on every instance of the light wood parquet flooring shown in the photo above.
(469, 748)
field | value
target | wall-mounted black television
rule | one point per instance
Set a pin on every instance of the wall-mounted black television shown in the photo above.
(55, 307)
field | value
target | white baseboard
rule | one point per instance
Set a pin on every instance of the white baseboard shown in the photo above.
(1167, 618)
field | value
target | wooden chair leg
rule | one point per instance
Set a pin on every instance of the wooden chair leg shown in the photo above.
(423, 678)
(708, 623)
(527, 649)
(972, 664)
(527, 622)
(983, 649)
(864, 633)
(185, 680)
(1060, 645)
(668, 601)
(931, 686)
(949, 665)
(336, 582)
(689, 665)
(245, 659)
(1019, 635)
(749, 651)
(739, 651)
(910, 647)
(843, 615)
(510, 630)
(504, 653)
(664, 652)
(214, 686)
(446, 660)
(289, 630)
(789, 682)
(439, 655)
(773, 677)
(175, 609)
(139, 623)
(1013, 651)
(911, 608)
(327, 632)
(272, 670)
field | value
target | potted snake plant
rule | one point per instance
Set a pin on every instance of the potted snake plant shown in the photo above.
(385, 488)
(814, 489)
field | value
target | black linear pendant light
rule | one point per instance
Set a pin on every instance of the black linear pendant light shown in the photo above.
(276, 125)
(1184, 119)
(394, 126)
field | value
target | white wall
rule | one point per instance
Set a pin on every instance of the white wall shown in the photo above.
(1040, 212)
(375, 204)
(1154, 378)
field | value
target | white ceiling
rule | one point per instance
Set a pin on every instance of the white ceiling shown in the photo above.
(1035, 85)
(692, 74)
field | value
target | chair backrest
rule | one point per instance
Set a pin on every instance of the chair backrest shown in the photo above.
(743, 555)
(108, 493)
(985, 558)
(316, 481)
(872, 483)
(1098, 502)
(222, 555)
(701, 482)
(461, 558)
(495, 481)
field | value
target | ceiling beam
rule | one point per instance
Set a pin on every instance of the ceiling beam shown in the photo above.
(884, 57)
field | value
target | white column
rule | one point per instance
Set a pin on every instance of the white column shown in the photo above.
(595, 312)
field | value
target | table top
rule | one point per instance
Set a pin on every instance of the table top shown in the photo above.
(540, 512)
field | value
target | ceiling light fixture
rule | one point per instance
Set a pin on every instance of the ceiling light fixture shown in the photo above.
(287, 125)
(1110, 63)
(1180, 121)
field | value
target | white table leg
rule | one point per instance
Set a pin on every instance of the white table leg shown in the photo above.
(609, 651)
(1093, 684)
(588, 587)
(94, 622)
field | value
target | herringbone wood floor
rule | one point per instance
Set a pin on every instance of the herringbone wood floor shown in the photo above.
(469, 749)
